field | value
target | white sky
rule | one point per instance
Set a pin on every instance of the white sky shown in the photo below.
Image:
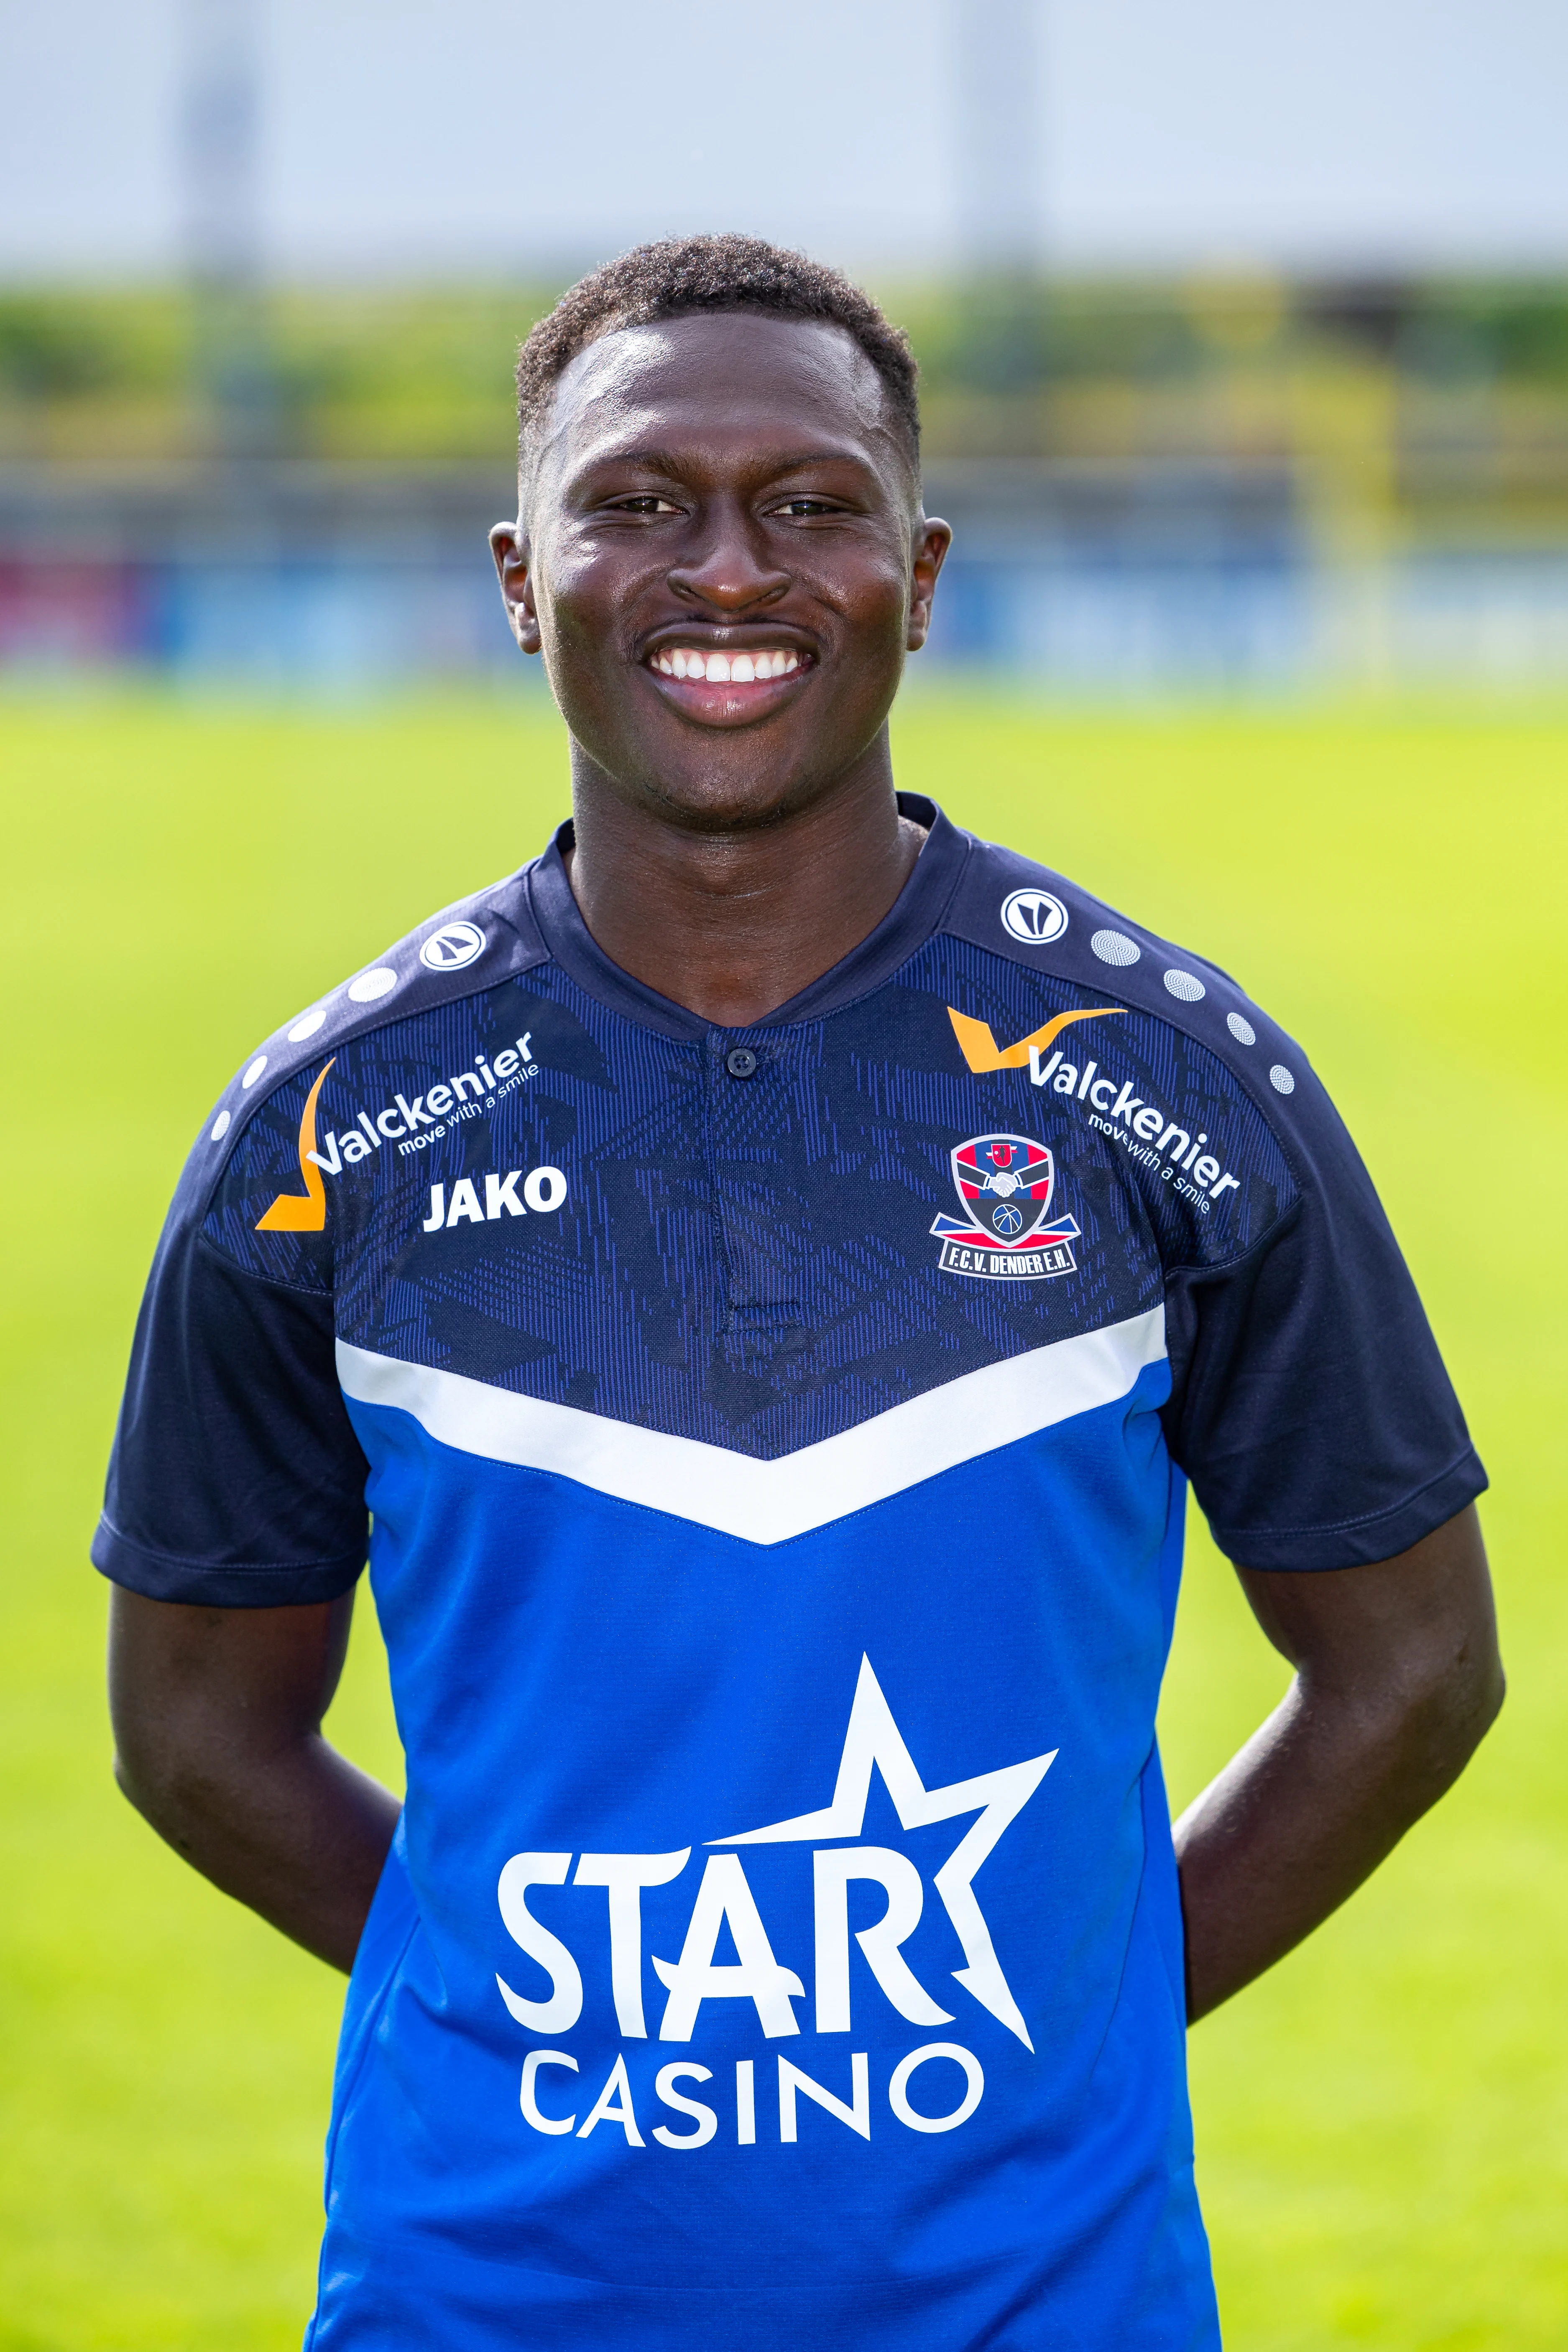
(476, 135)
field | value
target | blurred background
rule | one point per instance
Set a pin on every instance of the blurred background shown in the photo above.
(1245, 341)
(1244, 331)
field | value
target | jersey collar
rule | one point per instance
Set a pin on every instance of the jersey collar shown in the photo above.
(914, 915)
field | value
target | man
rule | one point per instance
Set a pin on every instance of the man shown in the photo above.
(769, 1268)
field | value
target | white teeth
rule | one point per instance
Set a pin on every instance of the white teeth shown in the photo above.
(723, 670)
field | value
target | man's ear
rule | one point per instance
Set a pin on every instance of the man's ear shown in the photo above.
(514, 569)
(933, 540)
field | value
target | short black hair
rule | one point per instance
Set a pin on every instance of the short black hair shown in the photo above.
(686, 274)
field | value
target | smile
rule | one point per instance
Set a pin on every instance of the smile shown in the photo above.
(725, 669)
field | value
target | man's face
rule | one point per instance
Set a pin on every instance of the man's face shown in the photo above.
(724, 562)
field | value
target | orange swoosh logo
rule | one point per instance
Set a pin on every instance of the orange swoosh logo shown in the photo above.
(981, 1052)
(289, 1214)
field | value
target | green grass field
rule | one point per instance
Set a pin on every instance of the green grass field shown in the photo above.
(1382, 2124)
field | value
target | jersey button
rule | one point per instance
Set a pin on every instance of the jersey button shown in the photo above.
(740, 1061)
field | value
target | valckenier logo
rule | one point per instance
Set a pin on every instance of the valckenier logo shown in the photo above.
(409, 1122)
(1148, 1133)
(725, 1910)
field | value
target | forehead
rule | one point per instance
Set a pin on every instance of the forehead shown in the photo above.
(800, 381)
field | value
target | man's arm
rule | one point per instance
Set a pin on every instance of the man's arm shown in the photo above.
(218, 1725)
(1397, 1679)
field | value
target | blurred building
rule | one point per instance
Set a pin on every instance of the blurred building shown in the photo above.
(1227, 484)
(1347, 465)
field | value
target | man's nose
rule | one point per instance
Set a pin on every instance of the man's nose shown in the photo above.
(728, 567)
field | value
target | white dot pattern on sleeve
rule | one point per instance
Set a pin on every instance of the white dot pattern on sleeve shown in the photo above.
(1281, 1081)
(1186, 985)
(1115, 947)
(372, 984)
(1241, 1028)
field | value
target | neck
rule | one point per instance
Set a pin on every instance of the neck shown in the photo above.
(731, 925)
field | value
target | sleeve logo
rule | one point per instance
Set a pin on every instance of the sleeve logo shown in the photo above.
(1034, 917)
(452, 945)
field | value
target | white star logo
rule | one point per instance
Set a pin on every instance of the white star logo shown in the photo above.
(998, 1798)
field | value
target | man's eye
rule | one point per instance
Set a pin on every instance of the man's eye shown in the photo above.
(648, 505)
(807, 507)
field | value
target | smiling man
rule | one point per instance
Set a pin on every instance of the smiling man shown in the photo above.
(771, 1267)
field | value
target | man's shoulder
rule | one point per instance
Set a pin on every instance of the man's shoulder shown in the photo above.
(465, 949)
(1038, 921)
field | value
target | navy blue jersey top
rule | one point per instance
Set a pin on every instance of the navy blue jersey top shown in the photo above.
(770, 1445)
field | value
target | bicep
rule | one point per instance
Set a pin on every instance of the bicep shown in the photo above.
(185, 1680)
(1425, 1615)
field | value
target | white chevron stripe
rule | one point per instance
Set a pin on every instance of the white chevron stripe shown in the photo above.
(768, 1502)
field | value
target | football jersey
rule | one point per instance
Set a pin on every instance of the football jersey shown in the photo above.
(771, 1447)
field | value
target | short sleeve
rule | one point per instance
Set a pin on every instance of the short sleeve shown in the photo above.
(235, 1480)
(1310, 1407)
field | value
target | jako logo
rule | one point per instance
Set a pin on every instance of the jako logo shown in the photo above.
(543, 1189)
(1034, 916)
(453, 946)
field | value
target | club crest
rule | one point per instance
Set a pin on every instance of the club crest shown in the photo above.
(1005, 1185)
